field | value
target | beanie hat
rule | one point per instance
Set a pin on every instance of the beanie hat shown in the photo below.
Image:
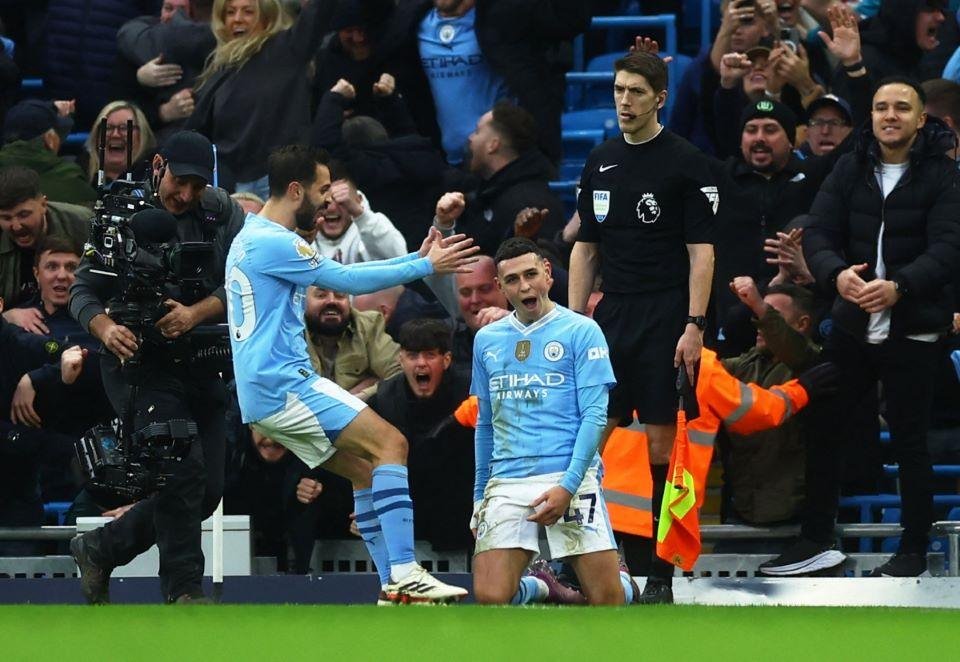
(769, 108)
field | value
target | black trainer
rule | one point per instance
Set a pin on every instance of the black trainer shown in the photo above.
(94, 578)
(804, 557)
(656, 592)
(902, 565)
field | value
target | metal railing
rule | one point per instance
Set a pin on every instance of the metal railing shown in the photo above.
(708, 532)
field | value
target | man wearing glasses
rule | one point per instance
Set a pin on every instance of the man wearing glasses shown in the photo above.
(829, 122)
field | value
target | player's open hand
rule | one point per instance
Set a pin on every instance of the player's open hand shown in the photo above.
(120, 341)
(490, 314)
(648, 45)
(553, 504)
(528, 222)
(71, 363)
(21, 408)
(178, 321)
(29, 319)
(119, 511)
(850, 282)
(453, 257)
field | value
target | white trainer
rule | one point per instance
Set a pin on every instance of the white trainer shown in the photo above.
(420, 587)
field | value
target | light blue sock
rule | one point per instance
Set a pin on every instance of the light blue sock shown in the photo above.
(530, 590)
(627, 587)
(391, 499)
(371, 533)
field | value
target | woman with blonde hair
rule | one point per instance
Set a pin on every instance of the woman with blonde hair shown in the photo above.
(253, 94)
(117, 113)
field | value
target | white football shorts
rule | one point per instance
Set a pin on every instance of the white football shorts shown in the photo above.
(502, 518)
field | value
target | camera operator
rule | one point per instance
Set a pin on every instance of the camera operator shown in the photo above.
(165, 385)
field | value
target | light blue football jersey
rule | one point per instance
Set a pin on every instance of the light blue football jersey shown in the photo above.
(268, 271)
(530, 376)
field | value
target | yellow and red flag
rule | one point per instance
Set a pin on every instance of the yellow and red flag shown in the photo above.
(678, 532)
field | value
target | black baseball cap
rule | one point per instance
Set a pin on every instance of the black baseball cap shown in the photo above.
(831, 100)
(32, 118)
(189, 153)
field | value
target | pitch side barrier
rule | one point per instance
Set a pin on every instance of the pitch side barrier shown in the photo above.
(459, 562)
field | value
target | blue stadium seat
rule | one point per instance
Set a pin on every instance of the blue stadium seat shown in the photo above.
(604, 119)
(55, 511)
(566, 190)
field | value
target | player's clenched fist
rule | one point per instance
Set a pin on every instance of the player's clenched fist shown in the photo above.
(308, 490)
(385, 86)
(344, 89)
(449, 207)
(71, 363)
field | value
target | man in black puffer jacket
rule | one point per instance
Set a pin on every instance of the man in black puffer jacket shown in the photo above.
(885, 237)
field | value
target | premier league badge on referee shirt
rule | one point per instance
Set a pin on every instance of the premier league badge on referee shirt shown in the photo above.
(522, 351)
(648, 209)
(601, 205)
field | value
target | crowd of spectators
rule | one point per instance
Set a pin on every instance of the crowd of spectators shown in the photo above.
(447, 114)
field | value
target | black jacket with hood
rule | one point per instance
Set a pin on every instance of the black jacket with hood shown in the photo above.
(921, 231)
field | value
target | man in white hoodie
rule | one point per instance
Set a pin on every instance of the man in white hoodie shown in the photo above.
(349, 231)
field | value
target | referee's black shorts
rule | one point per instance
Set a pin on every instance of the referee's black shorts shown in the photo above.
(642, 331)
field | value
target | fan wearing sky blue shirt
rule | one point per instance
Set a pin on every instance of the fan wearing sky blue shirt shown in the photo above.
(269, 268)
(541, 377)
(463, 83)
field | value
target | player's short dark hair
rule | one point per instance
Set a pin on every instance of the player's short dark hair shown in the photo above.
(421, 335)
(515, 247)
(902, 80)
(17, 185)
(943, 98)
(801, 297)
(650, 66)
(515, 125)
(363, 130)
(293, 163)
(55, 243)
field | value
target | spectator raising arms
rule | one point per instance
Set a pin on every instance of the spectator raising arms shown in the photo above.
(254, 95)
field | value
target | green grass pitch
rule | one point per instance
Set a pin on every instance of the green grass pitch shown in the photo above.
(665, 634)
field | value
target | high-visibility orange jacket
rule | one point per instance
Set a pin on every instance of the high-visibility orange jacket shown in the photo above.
(723, 399)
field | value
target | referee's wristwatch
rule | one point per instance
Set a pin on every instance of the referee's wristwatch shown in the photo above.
(699, 320)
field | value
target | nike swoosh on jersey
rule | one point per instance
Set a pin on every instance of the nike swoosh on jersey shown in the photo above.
(604, 168)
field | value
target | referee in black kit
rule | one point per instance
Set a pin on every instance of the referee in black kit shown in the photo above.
(646, 208)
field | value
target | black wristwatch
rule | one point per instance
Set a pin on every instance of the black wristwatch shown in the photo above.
(699, 320)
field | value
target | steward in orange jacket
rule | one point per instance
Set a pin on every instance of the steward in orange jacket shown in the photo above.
(724, 400)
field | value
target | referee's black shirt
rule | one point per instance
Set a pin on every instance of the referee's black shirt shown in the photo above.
(643, 204)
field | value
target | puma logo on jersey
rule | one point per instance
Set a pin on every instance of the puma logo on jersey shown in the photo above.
(492, 354)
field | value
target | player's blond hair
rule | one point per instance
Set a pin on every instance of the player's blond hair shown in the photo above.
(234, 53)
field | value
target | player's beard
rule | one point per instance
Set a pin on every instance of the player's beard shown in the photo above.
(306, 214)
